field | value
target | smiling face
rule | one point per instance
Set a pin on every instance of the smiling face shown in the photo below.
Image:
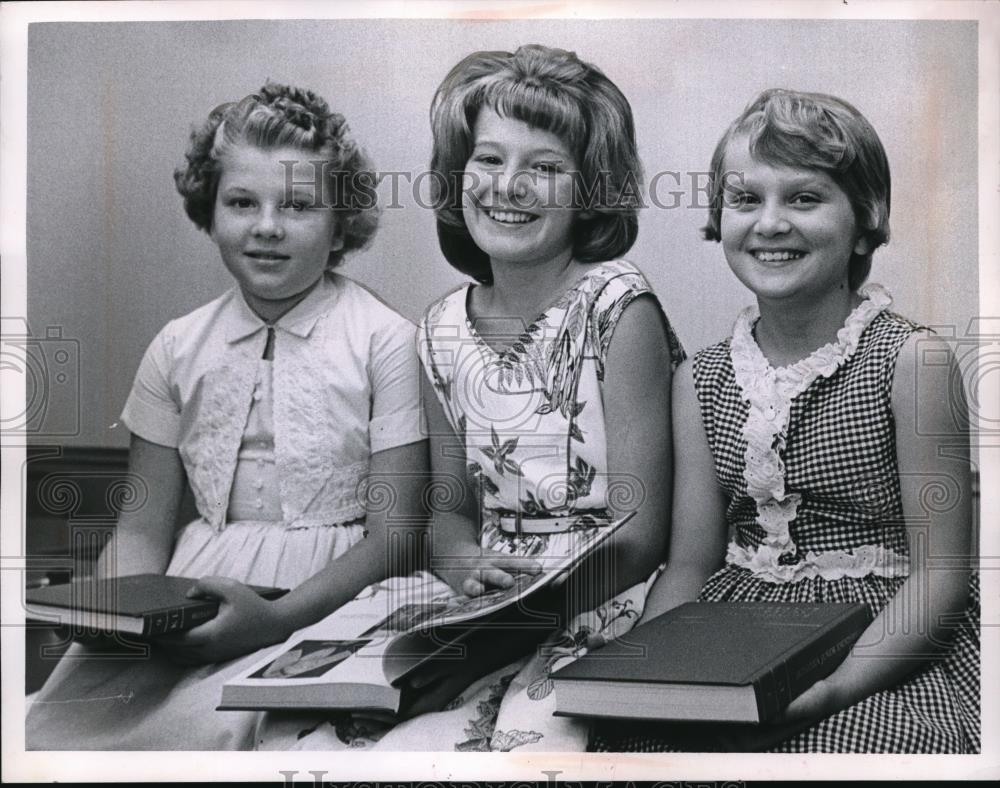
(275, 244)
(518, 192)
(786, 232)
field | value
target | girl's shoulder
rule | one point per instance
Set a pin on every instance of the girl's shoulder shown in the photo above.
(711, 362)
(880, 347)
(618, 275)
(884, 337)
(449, 309)
(360, 305)
(612, 285)
(615, 285)
(882, 333)
(713, 354)
(194, 327)
(892, 325)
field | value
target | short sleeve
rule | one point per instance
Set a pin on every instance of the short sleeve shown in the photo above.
(617, 293)
(429, 350)
(396, 415)
(151, 411)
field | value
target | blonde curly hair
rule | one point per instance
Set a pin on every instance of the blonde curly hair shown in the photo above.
(280, 116)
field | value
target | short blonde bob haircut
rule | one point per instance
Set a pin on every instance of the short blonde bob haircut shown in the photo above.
(813, 131)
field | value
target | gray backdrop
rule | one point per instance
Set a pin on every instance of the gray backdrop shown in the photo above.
(112, 257)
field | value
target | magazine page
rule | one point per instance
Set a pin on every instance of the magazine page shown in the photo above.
(386, 611)
(319, 654)
(464, 608)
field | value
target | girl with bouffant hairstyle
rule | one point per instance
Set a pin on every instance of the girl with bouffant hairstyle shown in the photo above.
(279, 404)
(548, 383)
(553, 90)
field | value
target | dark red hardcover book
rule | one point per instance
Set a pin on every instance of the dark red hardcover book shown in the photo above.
(712, 661)
(141, 605)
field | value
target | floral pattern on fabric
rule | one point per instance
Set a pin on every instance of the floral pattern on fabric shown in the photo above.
(532, 421)
(532, 415)
(480, 730)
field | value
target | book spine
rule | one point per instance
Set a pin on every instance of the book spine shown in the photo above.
(178, 619)
(772, 690)
(791, 677)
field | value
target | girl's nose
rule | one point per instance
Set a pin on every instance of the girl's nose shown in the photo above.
(513, 184)
(268, 225)
(771, 220)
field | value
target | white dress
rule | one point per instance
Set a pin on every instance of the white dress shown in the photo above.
(277, 456)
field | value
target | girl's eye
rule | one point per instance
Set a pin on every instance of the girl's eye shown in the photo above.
(548, 167)
(805, 199)
(241, 202)
(296, 205)
(739, 199)
(488, 159)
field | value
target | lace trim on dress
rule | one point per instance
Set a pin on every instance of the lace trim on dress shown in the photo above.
(830, 565)
(770, 392)
(316, 488)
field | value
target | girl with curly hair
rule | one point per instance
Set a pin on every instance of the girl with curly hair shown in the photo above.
(277, 402)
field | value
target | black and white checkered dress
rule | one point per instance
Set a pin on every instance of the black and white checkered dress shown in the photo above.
(840, 462)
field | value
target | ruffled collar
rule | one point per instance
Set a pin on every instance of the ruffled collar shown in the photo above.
(822, 362)
(770, 392)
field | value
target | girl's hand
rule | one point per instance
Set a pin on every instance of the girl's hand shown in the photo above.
(487, 569)
(819, 701)
(245, 622)
(434, 687)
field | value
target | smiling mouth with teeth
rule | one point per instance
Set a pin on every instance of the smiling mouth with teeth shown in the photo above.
(510, 217)
(777, 257)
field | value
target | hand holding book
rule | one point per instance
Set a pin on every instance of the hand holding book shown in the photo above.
(474, 570)
(411, 645)
(245, 623)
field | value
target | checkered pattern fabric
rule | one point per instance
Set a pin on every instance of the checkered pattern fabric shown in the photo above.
(841, 458)
(840, 446)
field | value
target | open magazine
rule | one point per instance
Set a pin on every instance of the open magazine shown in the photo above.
(357, 657)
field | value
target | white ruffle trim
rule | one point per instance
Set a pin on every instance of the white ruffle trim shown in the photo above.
(770, 392)
(829, 565)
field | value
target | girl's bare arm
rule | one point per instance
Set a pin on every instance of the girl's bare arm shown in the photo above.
(932, 451)
(144, 539)
(698, 533)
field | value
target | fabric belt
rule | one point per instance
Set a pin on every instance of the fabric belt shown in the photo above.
(516, 524)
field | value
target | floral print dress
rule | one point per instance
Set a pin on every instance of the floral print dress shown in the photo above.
(531, 420)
